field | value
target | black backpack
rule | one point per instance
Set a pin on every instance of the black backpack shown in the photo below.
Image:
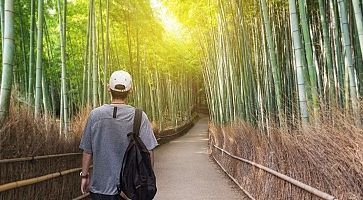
(137, 178)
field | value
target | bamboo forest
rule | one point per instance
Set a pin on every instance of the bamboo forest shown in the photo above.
(247, 99)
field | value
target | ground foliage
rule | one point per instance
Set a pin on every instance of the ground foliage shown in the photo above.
(327, 156)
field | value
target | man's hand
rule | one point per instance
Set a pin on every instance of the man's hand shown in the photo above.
(84, 185)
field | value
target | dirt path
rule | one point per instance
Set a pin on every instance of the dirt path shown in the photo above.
(184, 170)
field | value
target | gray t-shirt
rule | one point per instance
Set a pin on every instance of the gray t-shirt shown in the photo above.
(106, 139)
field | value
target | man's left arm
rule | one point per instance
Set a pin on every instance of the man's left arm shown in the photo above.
(86, 146)
(86, 162)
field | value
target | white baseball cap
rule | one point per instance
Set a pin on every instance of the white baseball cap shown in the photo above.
(120, 81)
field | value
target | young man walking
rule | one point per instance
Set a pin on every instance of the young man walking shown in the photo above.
(105, 140)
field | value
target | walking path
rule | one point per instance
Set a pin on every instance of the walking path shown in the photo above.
(185, 171)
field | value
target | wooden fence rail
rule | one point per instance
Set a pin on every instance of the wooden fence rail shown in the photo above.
(31, 158)
(297, 183)
(173, 131)
(166, 135)
(31, 181)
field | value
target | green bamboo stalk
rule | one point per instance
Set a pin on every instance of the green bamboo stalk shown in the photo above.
(25, 66)
(62, 37)
(90, 54)
(61, 121)
(309, 56)
(31, 54)
(327, 52)
(102, 89)
(106, 52)
(52, 96)
(359, 23)
(39, 65)
(46, 102)
(349, 60)
(8, 59)
(85, 66)
(295, 32)
(272, 54)
(2, 23)
(94, 57)
(338, 51)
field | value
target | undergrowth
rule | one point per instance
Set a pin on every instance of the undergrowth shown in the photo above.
(23, 135)
(326, 155)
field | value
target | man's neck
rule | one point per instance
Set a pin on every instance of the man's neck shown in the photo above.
(118, 101)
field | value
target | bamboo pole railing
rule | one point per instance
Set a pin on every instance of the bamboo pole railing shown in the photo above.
(297, 183)
(234, 180)
(31, 181)
(177, 130)
(31, 158)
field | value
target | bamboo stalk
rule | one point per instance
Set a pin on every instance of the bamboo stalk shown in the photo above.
(39, 60)
(8, 60)
(295, 33)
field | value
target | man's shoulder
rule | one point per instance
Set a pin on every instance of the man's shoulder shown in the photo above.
(98, 110)
(96, 113)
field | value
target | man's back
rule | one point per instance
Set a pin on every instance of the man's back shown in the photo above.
(105, 137)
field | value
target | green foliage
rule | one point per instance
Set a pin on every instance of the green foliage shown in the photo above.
(138, 42)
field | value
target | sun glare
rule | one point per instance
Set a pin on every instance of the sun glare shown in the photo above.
(169, 21)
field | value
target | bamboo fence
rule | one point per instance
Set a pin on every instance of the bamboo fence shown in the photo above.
(288, 179)
(11, 187)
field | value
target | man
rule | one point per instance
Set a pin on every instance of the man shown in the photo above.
(105, 140)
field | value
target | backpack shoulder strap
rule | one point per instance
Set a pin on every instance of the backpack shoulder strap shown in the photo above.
(137, 121)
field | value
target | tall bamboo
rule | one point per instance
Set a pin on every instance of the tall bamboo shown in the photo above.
(2, 23)
(338, 51)
(24, 86)
(62, 37)
(106, 52)
(295, 32)
(39, 66)
(327, 52)
(94, 57)
(359, 22)
(8, 59)
(31, 53)
(349, 59)
(309, 56)
(272, 54)
(85, 66)
(89, 66)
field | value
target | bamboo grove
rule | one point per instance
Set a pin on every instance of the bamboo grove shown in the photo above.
(58, 55)
(284, 62)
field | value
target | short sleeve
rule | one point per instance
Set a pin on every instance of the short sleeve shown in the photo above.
(86, 140)
(146, 133)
